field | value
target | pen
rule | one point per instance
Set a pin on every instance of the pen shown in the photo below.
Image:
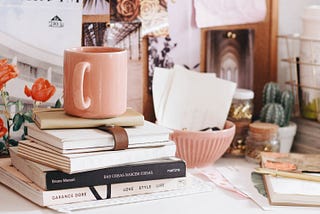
(295, 175)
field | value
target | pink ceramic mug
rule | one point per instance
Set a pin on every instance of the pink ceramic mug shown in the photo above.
(95, 81)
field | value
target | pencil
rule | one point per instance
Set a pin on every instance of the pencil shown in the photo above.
(284, 174)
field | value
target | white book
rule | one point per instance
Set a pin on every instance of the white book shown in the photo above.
(291, 190)
(79, 162)
(90, 138)
(15, 180)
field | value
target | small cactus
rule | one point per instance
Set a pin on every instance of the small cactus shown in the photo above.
(287, 102)
(277, 105)
(273, 113)
(271, 93)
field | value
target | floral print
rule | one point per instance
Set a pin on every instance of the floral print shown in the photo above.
(41, 90)
(128, 10)
(7, 72)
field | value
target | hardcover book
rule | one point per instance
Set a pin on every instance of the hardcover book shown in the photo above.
(291, 191)
(68, 140)
(50, 179)
(87, 161)
(15, 180)
(57, 119)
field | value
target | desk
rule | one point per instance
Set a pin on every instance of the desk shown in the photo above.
(216, 201)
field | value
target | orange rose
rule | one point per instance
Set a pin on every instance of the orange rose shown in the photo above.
(7, 72)
(41, 90)
(3, 130)
(128, 10)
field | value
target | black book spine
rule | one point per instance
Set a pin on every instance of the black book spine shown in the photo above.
(56, 180)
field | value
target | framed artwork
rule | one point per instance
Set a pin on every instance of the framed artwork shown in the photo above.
(230, 55)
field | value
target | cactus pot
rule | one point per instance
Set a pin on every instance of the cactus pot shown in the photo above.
(286, 136)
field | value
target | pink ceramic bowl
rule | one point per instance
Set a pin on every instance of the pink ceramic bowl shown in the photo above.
(200, 148)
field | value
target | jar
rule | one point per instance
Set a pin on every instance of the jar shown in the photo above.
(262, 137)
(240, 114)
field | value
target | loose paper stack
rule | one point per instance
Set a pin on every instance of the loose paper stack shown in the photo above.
(185, 99)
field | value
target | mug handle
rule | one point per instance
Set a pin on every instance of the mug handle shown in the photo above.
(77, 85)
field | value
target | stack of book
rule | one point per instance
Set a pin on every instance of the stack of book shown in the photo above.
(65, 161)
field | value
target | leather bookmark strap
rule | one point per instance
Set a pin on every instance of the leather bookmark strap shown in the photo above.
(119, 134)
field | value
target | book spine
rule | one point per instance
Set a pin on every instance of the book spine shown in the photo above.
(128, 173)
(102, 192)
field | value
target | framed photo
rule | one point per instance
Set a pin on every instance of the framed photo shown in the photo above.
(230, 55)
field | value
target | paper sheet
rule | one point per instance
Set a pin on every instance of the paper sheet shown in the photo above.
(217, 178)
(161, 84)
(240, 177)
(194, 100)
(210, 13)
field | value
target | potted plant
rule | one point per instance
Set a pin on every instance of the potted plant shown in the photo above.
(277, 108)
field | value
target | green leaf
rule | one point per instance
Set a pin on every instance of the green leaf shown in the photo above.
(2, 147)
(58, 104)
(13, 142)
(28, 116)
(23, 137)
(19, 105)
(18, 120)
(10, 103)
(25, 130)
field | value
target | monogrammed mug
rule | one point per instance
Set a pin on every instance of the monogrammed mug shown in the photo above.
(95, 81)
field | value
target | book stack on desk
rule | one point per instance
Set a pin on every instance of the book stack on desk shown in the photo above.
(65, 165)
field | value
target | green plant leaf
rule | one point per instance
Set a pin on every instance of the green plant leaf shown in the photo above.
(18, 120)
(2, 147)
(13, 142)
(28, 116)
(19, 105)
(10, 103)
(25, 130)
(58, 104)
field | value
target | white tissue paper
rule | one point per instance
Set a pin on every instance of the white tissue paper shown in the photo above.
(185, 99)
